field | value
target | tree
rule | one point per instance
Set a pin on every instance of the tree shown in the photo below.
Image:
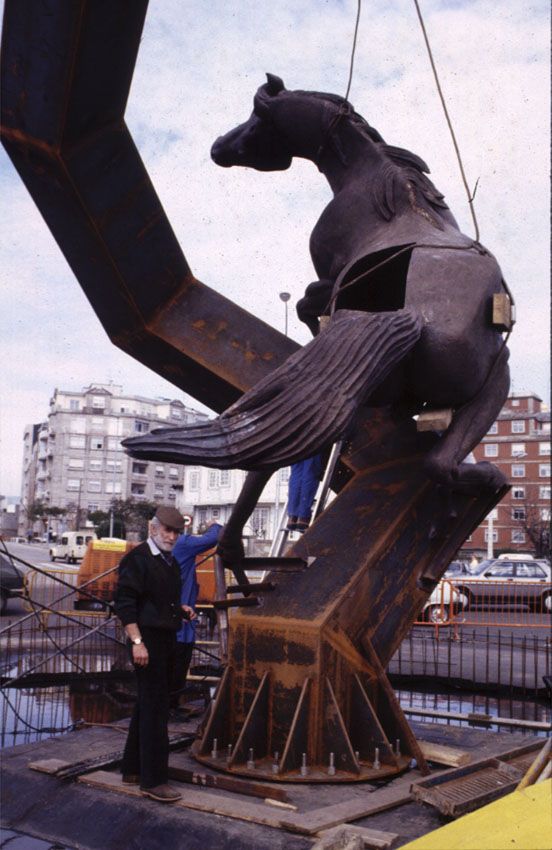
(534, 521)
(135, 515)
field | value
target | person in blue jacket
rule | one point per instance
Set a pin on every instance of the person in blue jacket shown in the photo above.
(186, 549)
(303, 484)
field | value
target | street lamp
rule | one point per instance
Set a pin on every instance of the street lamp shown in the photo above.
(285, 296)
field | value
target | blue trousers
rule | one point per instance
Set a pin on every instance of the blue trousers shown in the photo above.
(302, 487)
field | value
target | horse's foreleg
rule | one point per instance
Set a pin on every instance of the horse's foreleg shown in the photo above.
(469, 425)
(230, 547)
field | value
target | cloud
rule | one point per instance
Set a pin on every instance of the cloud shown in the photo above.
(246, 233)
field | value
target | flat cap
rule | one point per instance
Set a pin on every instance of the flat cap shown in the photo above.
(170, 517)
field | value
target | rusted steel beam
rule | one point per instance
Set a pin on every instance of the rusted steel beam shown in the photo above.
(62, 124)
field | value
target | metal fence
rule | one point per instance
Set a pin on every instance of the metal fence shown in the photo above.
(468, 601)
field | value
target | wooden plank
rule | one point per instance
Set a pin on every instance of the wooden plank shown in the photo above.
(442, 754)
(202, 801)
(179, 769)
(49, 765)
(337, 836)
(309, 823)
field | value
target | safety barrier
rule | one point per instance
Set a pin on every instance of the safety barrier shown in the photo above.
(471, 601)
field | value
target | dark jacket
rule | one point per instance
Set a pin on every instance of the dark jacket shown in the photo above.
(148, 590)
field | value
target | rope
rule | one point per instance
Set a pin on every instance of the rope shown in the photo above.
(470, 195)
(352, 62)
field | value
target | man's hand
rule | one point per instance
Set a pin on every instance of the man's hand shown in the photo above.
(189, 613)
(140, 656)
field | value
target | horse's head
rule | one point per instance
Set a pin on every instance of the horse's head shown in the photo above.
(256, 143)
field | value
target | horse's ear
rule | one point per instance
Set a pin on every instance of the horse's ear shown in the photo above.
(274, 84)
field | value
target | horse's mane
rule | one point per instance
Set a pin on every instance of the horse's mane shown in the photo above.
(401, 170)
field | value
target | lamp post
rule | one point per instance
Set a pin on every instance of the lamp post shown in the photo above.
(285, 296)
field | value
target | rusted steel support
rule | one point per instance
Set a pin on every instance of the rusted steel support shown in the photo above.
(312, 656)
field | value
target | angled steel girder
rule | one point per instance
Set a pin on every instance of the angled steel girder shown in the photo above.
(66, 73)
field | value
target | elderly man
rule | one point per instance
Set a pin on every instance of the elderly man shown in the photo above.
(147, 601)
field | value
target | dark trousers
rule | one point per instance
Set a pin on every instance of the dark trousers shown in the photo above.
(183, 656)
(147, 747)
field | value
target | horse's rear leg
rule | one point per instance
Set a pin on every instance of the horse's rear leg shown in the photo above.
(469, 425)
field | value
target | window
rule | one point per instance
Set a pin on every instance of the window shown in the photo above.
(98, 401)
(544, 470)
(159, 490)
(160, 469)
(212, 479)
(518, 536)
(73, 484)
(491, 449)
(493, 514)
(545, 514)
(215, 513)
(74, 404)
(93, 506)
(284, 474)
(544, 448)
(137, 489)
(112, 486)
(518, 470)
(76, 463)
(76, 442)
(139, 468)
(518, 492)
(95, 465)
(493, 429)
(141, 427)
(224, 478)
(518, 450)
(518, 513)
(515, 402)
(544, 492)
(97, 421)
(96, 443)
(194, 480)
(503, 570)
(172, 495)
(494, 535)
(113, 465)
(173, 472)
(518, 426)
(259, 522)
(94, 486)
(530, 571)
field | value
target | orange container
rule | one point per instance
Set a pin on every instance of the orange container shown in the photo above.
(101, 557)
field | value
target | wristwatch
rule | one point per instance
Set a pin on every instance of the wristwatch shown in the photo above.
(136, 641)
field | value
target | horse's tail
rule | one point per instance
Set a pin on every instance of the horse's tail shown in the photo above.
(301, 407)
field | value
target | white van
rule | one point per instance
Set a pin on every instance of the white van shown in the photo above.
(72, 545)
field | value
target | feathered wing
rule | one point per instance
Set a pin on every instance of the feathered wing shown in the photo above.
(301, 407)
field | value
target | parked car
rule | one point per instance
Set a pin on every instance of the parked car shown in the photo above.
(446, 601)
(11, 582)
(72, 545)
(506, 583)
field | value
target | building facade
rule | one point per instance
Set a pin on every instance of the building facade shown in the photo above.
(74, 459)
(519, 444)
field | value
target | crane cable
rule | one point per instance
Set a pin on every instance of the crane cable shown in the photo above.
(470, 195)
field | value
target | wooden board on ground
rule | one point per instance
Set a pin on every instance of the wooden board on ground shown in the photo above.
(309, 823)
(441, 754)
(51, 766)
(203, 800)
(306, 823)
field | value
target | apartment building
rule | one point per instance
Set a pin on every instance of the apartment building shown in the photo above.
(210, 495)
(519, 444)
(74, 459)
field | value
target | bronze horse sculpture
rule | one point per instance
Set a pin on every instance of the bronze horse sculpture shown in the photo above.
(408, 298)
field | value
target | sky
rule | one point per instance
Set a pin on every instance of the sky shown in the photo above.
(245, 233)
